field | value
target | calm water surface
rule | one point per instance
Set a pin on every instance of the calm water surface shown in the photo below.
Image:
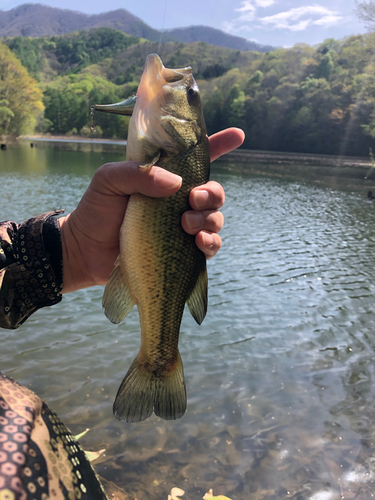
(280, 376)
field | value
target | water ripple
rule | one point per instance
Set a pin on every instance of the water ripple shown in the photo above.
(280, 374)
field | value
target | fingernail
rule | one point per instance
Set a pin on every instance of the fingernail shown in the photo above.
(201, 198)
(208, 240)
(167, 180)
(194, 220)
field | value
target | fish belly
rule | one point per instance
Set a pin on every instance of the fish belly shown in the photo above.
(161, 264)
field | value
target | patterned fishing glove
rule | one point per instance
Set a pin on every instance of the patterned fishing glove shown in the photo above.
(31, 275)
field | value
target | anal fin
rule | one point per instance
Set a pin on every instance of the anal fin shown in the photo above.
(197, 301)
(117, 301)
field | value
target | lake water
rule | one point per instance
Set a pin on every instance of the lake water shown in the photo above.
(280, 375)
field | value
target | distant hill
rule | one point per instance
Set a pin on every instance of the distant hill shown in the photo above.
(117, 56)
(37, 20)
(207, 61)
(48, 57)
(216, 37)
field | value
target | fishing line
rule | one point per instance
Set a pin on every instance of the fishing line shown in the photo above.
(162, 28)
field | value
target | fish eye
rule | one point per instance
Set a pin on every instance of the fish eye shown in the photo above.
(192, 94)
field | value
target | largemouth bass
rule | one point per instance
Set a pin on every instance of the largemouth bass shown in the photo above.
(160, 268)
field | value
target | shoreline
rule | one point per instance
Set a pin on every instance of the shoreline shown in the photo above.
(242, 155)
(358, 172)
(72, 138)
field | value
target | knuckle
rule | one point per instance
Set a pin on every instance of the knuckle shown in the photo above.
(217, 194)
(219, 221)
(101, 176)
(214, 221)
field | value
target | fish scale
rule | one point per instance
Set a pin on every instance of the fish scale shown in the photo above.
(160, 320)
(160, 268)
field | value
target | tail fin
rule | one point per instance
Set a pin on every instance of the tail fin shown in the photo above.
(143, 392)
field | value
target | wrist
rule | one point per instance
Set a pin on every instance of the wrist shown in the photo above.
(74, 277)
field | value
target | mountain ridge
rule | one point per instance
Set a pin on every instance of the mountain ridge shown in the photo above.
(195, 33)
(37, 20)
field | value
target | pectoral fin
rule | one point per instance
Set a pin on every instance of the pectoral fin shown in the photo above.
(197, 301)
(117, 301)
(152, 162)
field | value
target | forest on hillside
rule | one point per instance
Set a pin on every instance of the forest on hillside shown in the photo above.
(303, 99)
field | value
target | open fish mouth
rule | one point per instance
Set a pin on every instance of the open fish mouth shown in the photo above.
(156, 78)
(158, 96)
(155, 71)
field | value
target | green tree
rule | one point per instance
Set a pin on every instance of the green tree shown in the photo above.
(236, 107)
(6, 114)
(212, 109)
(20, 99)
(68, 100)
(28, 52)
(79, 49)
(326, 66)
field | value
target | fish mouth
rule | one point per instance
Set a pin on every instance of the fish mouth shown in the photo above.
(156, 76)
(157, 100)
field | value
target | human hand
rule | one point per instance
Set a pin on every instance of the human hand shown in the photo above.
(90, 234)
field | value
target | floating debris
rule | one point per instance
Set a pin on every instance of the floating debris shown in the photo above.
(91, 455)
(210, 495)
(175, 494)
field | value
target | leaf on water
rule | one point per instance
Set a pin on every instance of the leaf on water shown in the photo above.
(210, 496)
(93, 455)
(175, 493)
(78, 436)
(220, 497)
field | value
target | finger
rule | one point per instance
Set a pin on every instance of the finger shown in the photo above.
(210, 195)
(208, 220)
(209, 243)
(126, 178)
(225, 141)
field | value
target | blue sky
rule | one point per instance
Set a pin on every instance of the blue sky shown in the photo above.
(273, 22)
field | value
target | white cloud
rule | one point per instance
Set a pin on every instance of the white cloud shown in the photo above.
(247, 15)
(247, 6)
(251, 5)
(300, 18)
(295, 19)
(301, 26)
(264, 3)
(329, 20)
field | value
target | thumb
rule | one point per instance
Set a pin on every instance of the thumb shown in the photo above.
(128, 177)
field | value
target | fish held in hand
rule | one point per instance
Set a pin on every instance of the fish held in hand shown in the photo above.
(160, 268)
